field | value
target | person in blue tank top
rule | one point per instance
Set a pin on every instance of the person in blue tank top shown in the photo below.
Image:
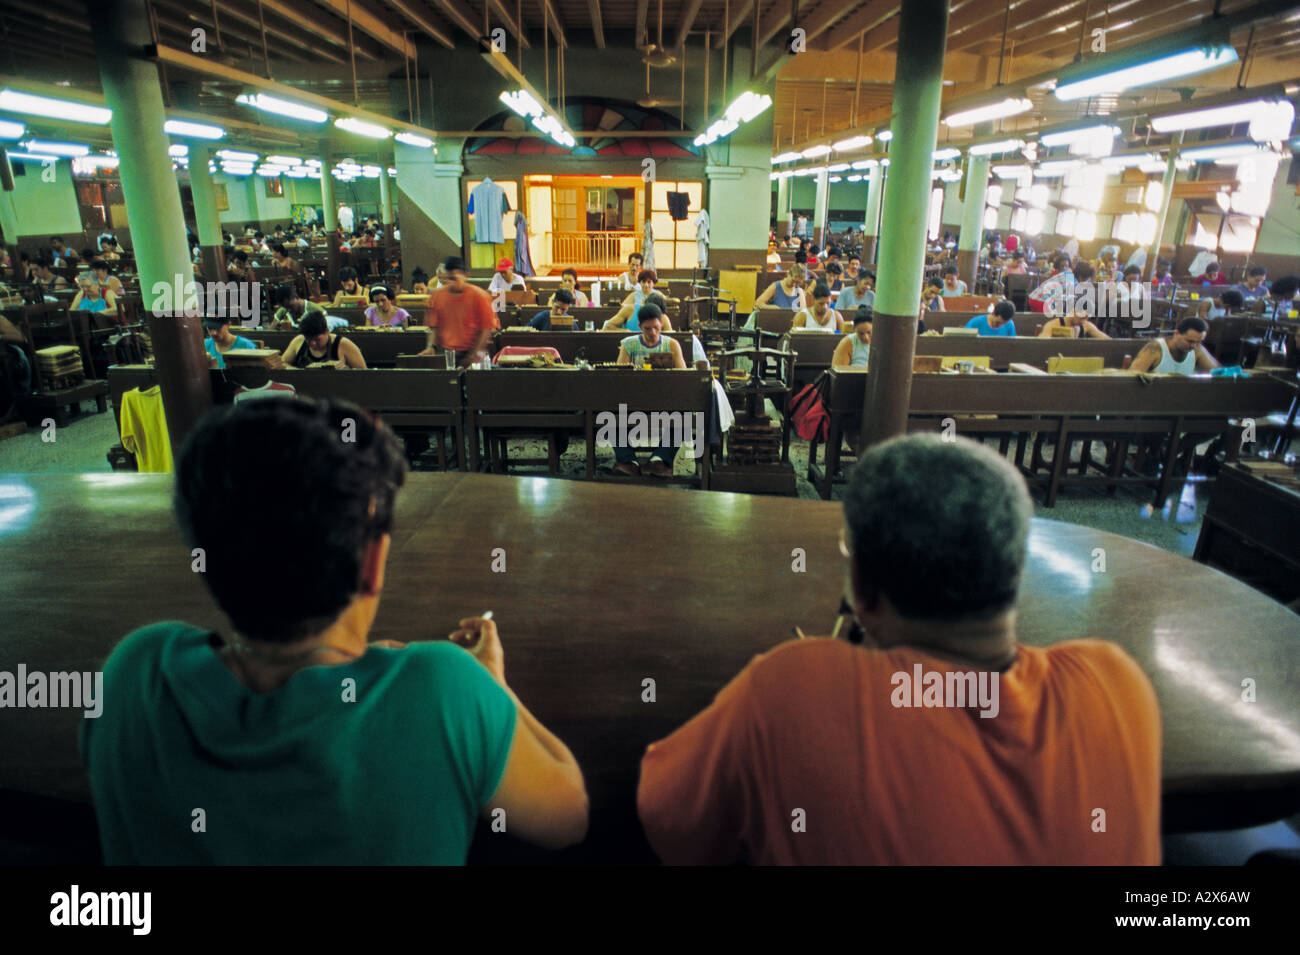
(310, 744)
(787, 293)
(626, 317)
(93, 297)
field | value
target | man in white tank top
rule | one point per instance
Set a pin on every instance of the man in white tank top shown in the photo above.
(819, 317)
(1181, 354)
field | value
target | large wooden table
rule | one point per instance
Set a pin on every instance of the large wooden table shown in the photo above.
(578, 650)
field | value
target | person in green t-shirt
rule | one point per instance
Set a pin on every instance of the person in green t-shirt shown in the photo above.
(293, 308)
(300, 742)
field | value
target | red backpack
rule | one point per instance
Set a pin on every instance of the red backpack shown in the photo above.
(808, 412)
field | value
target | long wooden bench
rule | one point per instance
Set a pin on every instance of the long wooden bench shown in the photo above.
(424, 400)
(1120, 409)
(816, 348)
(1027, 324)
(380, 349)
(541, 400)
(593, 346)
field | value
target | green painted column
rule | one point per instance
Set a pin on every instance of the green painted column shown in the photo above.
(820, 206)
(331, 221)
(875, 188)
(386, 209)
(153, 209)
(207, 221)
(783, 225)
(1167, 181)
(918, 83)
(9, 226)
(972, 218)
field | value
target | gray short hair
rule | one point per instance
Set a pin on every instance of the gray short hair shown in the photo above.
(939, 527)
(88, 276)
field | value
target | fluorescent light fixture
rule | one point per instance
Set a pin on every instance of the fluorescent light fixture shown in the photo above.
(370, 172)
(992, 149)
(56, 148)
(744, 108)
(853, 142)
(1068, 137)
(747, 106)
(1056, 167)
(33, 157)
(369, 130)
(522, 102)
(838, 167)
(1273, 121)
(1221, 151)
(1158, 165)
(234, 155)
(392, 171)
(181, 127)
(1159, 70)
(282, 107)
(833, 179)
(86, 165)
(1009, 172)
(311, 162)
(271, 173)
(856, 177)
(1011, 106)
(947, 175)
(1116, 163)
(884, 136)
(178, 150)
(948, 152)
(551, 126)
(812, 152)
(863, 164)
(786, 157)
(16, 102)
(411, 139)
(283, 161)
(10, 130)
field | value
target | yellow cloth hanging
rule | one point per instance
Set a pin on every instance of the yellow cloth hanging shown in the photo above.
(144, 430)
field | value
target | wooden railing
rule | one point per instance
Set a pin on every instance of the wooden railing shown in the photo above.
(593, 250)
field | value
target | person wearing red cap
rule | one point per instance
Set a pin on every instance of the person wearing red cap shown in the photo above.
(506, 278)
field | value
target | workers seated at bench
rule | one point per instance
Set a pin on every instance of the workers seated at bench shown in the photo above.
(383, 311)
(861, 292)
(952, 285)
(940, 740)
(820, 317)
(561, 304)
(636, 350)
(304, 743)
(220, 340)
(931, 297)
(855, 349)
(997, 322)
(349, 285)
(506, 278)
(293, 308)
(626, 317)
(317, 345)
(93, 297)
(787, 293)
(1180, 354)
(569, 280)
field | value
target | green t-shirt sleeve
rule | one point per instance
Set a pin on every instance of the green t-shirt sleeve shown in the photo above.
(479, 719)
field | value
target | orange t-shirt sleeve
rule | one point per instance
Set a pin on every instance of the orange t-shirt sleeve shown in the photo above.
(692, 794)
(485, 314)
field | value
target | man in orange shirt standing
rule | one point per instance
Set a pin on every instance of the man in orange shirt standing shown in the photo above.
(941, 740)
(460, 316)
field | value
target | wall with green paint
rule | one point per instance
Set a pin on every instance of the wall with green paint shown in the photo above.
(45, 208)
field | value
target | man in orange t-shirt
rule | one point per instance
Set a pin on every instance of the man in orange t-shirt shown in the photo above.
(941, 740)
(460, 315)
